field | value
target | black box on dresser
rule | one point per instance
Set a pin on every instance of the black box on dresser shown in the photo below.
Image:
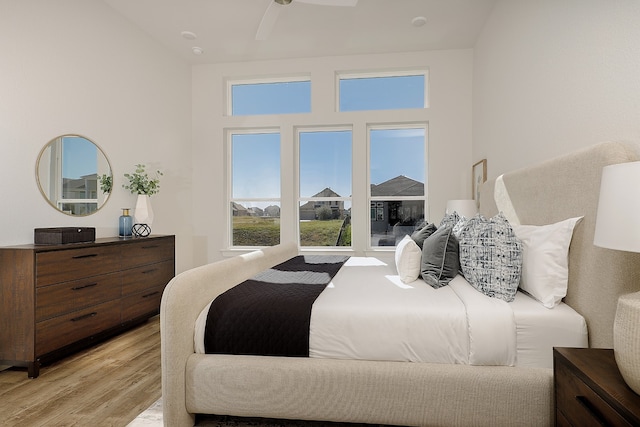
(63, 235)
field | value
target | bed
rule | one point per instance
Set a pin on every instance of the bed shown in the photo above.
(397, 392)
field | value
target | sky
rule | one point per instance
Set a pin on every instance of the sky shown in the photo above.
(325, 156)
(79, 157)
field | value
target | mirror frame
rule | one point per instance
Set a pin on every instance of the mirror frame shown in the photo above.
(102, 197)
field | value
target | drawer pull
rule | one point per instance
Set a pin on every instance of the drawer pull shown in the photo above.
(85, 256)
(90, 285)
(150, 295)
(151, 247)
(588, 406)
(149, 271)
(86, 316)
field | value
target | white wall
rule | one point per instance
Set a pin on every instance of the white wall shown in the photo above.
(76, 66)
(554, 76)
(448, 115)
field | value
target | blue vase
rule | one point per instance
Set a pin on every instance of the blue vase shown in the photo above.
(125, 223)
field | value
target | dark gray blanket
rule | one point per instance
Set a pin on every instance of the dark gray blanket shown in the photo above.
(270, 314)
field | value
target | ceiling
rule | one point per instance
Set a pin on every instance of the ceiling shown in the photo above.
(225, 29)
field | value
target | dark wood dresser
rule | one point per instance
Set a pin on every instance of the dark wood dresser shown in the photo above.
(589, 390)
(56, 299)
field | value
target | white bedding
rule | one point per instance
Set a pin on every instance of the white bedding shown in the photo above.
(455, 324)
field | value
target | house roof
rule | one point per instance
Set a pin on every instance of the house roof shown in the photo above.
(398, 186)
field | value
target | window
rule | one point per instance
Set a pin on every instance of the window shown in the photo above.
(381, 92)
(67, 174)
(255, 189)
(325, 187)
(397, 182)
(323, 167)
(275, 96)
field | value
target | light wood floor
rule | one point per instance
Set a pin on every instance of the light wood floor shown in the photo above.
(106, 385)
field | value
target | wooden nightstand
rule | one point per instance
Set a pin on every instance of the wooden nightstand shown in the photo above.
(589, 390)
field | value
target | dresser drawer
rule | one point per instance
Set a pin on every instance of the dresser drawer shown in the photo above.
(142, 303)
(148, 276)
(580, 405)
(147, 251)
(63, 330)
(61, 298)
(72, 264)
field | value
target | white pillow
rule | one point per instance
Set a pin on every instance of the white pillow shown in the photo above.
(545, 262)
(408, 258)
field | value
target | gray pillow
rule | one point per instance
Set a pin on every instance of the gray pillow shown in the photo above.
(440, 262)
(491, 256)
(419, 236)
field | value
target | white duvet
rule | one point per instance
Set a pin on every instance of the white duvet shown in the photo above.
(366, 312)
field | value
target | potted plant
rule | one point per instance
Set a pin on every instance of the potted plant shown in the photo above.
(106, 182)
(144, 186)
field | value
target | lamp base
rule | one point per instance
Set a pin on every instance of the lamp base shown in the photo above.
(626, 339)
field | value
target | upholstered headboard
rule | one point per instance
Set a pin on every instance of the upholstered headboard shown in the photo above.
(567, 187)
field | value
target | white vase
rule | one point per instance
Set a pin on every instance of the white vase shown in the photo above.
(626, 339)
(143, 214)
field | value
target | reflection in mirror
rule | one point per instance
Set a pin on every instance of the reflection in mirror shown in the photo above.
(74, 175)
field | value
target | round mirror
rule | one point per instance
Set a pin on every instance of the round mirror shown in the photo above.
(74, 175)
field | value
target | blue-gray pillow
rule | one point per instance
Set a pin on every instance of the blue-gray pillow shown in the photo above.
(491, 256)
(440, 262)
(420, 235)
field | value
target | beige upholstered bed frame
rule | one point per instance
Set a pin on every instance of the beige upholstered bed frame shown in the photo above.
(418, 394)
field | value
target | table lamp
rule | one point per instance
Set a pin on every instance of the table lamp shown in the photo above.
(465, 208)
(618, 227)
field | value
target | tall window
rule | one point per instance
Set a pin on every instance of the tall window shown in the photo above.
(397, 182)
(255, 189)
(325, 187)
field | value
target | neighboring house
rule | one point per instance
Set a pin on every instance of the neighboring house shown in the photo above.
(309, 210)
(401, 216)
(255, 211)
(272, 211)
(238, 210)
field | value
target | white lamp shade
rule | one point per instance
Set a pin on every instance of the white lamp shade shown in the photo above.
(466, 208)
(618, 218)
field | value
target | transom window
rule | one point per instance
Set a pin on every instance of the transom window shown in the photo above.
(273, 96)
(390, 91)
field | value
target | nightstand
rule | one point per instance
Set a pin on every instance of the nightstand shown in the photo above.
(589, 390)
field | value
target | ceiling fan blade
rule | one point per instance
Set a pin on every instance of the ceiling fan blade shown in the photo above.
(347, 3)
(268, 20)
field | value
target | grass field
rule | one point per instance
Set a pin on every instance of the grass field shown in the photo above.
(265, 231)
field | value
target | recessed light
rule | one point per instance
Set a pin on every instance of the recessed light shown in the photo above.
(418, 21)
(189, 35)
(197, 50)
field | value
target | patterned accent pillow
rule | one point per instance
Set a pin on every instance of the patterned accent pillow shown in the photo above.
(491, 256)
(455, 221)
(450, 219)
